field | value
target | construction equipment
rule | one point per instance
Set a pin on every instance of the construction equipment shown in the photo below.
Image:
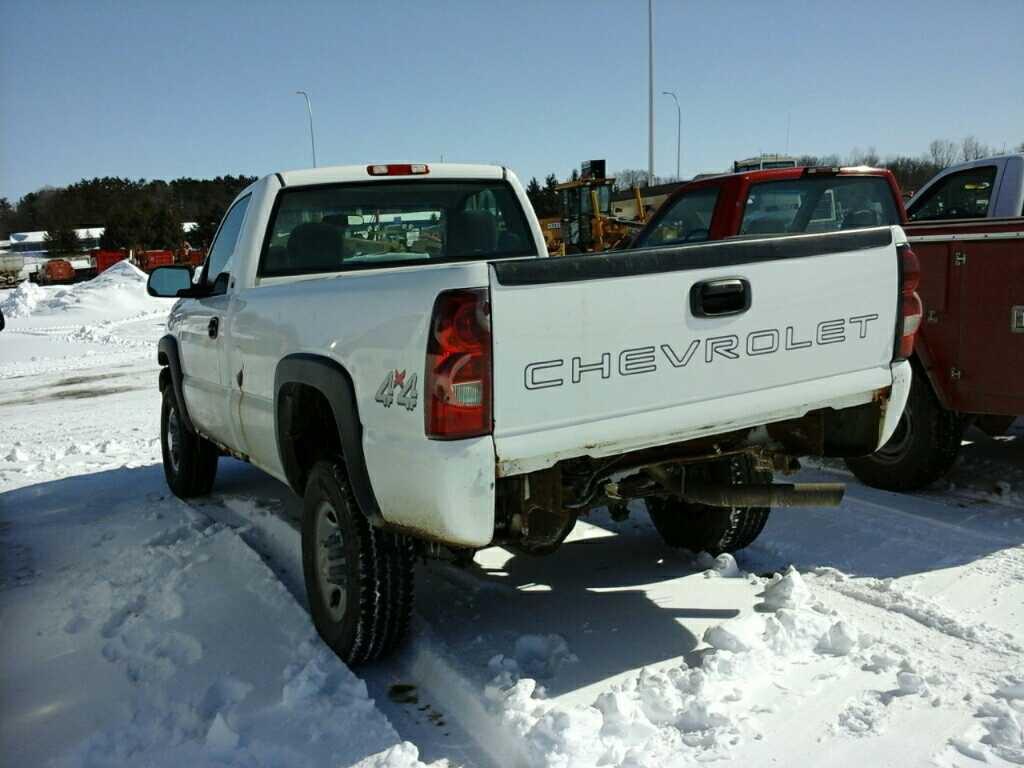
(11, 265)
(585, 222)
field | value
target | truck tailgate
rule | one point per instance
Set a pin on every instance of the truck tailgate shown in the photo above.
(601, 353)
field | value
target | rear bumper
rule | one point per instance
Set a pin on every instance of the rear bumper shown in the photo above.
(445, 490)
(532, 451)
(436, 489)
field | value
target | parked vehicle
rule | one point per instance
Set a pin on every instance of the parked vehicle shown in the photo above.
(104, 260)
(56, 272)
(966, 227)
(475, 392)
(192, 257)
(150, 260)
(11, 265)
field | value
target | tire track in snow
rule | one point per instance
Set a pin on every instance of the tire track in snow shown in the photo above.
(469, 736)
(885, 595)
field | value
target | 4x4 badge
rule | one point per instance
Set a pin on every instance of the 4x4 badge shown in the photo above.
(406, 395)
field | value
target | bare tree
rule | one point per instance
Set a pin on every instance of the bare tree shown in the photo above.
(972, 149)
(942, 152)
(868, 157)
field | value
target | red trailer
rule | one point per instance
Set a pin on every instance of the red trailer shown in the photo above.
(150, 260)
(104, 260)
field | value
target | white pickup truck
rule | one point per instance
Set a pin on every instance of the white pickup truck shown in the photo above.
(393, 342)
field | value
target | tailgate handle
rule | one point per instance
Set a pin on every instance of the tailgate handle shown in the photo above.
(718, 298)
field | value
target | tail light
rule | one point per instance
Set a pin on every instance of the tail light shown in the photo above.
(458, 375)
(910, 303)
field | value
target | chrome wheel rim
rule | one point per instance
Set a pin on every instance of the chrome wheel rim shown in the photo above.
(331, 566)
(173, 439)
(896, 448)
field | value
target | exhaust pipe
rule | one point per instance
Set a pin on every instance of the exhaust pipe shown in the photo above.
(781, 495)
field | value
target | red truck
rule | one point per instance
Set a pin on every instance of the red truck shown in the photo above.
(969, 355)
(104, 260)
(150, 260)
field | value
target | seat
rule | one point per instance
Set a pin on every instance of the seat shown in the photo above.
(315, 246)
(865, 217)
(471, 233)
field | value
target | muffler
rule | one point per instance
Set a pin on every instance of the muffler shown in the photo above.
(771, 495)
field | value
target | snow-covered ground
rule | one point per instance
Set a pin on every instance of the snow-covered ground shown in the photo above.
(140, 630)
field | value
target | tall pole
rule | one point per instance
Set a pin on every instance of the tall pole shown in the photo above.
(650, 93)
(309, 109)
(679, 129)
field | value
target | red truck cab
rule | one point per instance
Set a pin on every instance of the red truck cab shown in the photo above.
(775, 202)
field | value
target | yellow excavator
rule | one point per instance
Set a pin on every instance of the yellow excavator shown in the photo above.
(585, 223)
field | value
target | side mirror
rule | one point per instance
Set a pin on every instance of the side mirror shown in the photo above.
(169, 282)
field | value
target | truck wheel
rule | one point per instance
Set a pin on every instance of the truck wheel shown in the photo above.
(359, 579)
(920, 451)
(701, 528)
(190, 461)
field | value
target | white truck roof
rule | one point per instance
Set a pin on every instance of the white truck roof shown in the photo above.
(344, 173)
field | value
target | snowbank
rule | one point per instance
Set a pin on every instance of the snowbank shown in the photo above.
(22, 301)
(117, 294)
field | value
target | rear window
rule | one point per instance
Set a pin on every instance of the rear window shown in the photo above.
(383, 224)
(688, 220)
(818, 204)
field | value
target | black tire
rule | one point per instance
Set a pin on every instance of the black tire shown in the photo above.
(701, 528)
(190, 461)
(921, 450)
(359, 579)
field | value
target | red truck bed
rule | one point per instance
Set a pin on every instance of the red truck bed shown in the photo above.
(972, 284)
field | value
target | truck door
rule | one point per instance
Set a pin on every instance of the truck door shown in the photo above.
(204, 322)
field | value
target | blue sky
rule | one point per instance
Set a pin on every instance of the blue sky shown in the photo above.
(164, 89)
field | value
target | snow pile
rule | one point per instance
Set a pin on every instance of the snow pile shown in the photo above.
(702, 711)
(116, 294)
(404, 755)
(539, 656)
(999, 733)
(22, 301)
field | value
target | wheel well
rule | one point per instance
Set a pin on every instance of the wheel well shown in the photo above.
(307, 431)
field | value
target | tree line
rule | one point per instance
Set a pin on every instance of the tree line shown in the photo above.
(135, 213)
(148, 214)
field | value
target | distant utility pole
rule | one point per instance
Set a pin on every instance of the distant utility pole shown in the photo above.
(309, 109)
(679, 129)
(650, 93)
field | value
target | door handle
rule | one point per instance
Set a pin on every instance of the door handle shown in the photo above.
(214, 327)
(719, 298)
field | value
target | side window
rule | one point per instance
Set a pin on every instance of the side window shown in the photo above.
(687, 221)
(224, 243)
(963, 195)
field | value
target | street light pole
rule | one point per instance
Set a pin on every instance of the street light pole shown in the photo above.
(679, 129)
(650, 93)
(309, 109)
